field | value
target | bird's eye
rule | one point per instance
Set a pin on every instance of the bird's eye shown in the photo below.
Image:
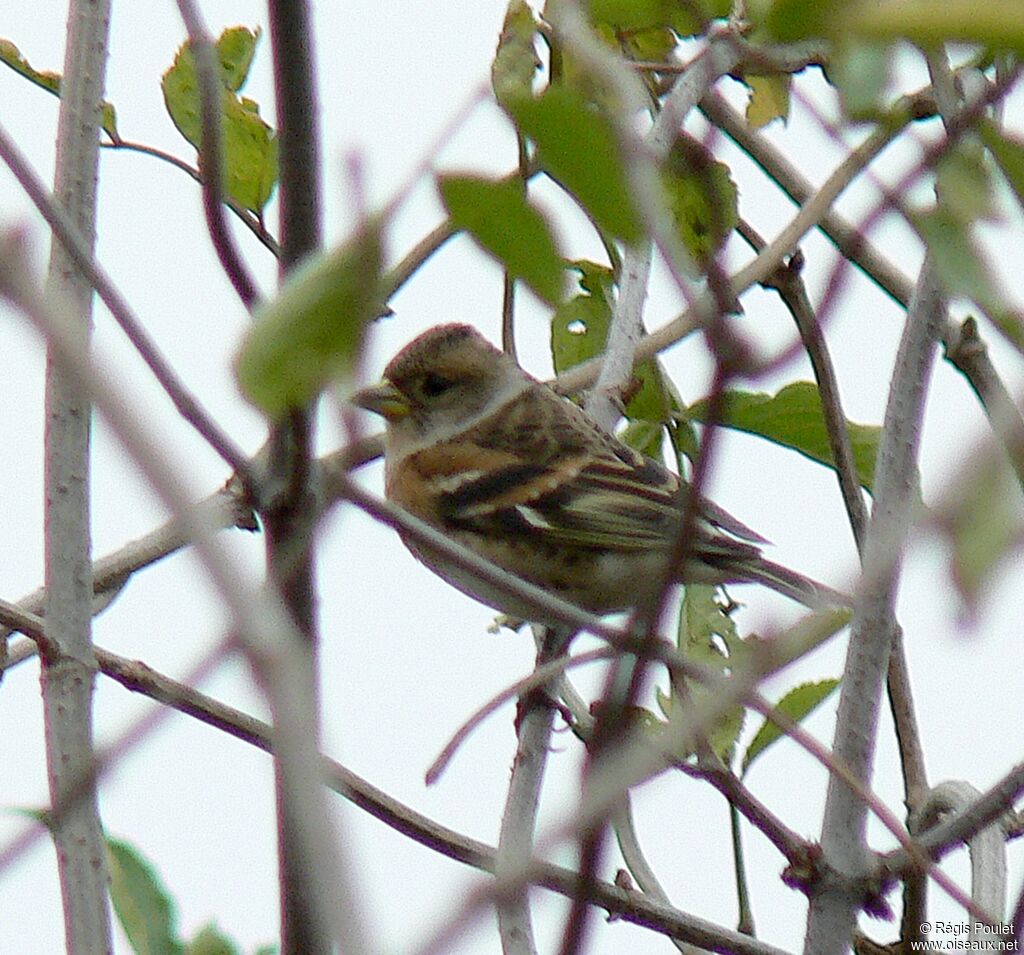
(434, 385)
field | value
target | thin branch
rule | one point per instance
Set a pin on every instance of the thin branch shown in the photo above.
(69, 664)
(320, 901)
(248, 218)
(519, 819)
(847, 237)
(790, 286)
(967, 352)
(833, 911)
(949, 833)
(222, 509)
(540, 677)
(707, 303)
(636, 862)
(508, 291)
(211, 152)
(547, 606)
(80, 253)
(630, 906)
(257, 616)
(793, 847)
(987, 849)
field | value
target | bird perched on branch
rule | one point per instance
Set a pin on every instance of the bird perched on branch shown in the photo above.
(499, 462)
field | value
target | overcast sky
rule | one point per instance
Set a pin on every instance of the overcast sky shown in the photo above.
(405, 658)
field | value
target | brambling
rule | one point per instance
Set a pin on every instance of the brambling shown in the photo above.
(499, 462)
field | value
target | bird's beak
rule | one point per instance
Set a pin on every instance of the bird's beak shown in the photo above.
(383, 399)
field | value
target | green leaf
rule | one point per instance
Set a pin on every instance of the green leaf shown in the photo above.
(250, 145)
(311, 333)
(983, 526)
(515, 61)
(210, 941)
(998, 24)
(964, 183)
(962, 268)
(1008, 152)
(862, 71)
(632, 17)
(707, 635)
(797, 704)
(142, 904)
(498, 215)
(701, 197)
(793, 418)
(50, 82)
(792, 20)
(768, 99)
(578, 147)
(236, 47)
(647, 437)
(579, 331)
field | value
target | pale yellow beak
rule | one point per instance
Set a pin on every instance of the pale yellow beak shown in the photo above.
(383, 399)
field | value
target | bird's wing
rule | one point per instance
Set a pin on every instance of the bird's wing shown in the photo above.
(556, 477)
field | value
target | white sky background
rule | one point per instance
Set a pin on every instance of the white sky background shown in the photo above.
(405, 658)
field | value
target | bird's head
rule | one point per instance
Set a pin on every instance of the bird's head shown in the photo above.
(441, 383)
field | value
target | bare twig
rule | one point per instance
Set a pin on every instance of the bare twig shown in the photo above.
(630, 906)
(987, 849)
(789, 843)
(259, 618)
(222, 509)
(968, 353)
(519, 820)
(966, 823)
(251, 221)
(320, 902)
(69, 663)
(833, 912)
(211, 153)
(80, 252)
(541, 676)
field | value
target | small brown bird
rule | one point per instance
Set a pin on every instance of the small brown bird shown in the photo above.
(499, 462)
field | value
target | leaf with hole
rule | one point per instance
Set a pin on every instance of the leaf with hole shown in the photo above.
(579, 331)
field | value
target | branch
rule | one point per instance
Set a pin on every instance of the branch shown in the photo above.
(833, 911)
(245, 216)
(69, 663)
(630, 906)
(222, 509)
(258, 619)
(967, 352)
(707, 303)
(320, 902)
(519, 820)
(966, 823)
(80, 252)
(987, 849)
(211, 152)
(790, 286)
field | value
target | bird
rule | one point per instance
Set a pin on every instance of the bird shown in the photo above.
(520, 475)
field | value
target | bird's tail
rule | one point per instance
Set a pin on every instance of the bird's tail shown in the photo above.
(789, 583)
